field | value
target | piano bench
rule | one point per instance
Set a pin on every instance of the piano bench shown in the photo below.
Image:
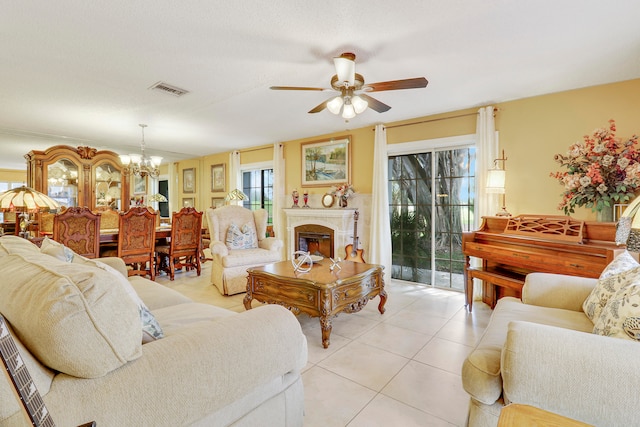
(502, 278)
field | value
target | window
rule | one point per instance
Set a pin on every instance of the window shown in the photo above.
(258, 185)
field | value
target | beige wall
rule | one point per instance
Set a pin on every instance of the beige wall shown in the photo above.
(532, 131)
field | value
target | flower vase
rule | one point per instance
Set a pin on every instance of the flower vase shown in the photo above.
(342, 201)
(604, 215)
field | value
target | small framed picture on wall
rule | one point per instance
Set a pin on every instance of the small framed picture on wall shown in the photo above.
(189, 180)
(217, 202)
(218, 178)
(188, 202)
(139, 184)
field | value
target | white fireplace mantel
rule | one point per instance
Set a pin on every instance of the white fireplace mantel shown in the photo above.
(339, 220)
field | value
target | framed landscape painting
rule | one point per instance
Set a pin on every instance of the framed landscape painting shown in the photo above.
(139, 184)
(188, 202)
(326, 162)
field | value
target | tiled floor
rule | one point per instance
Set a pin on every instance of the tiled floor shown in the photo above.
(401, 368)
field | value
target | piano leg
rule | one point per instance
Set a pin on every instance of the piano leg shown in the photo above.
(468, 285)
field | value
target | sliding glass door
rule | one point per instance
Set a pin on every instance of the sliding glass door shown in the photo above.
(431, 196)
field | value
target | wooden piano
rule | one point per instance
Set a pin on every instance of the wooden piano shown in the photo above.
(511, 247)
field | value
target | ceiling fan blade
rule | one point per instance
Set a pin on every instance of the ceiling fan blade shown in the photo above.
(374, 104)
(320, 107)
(345, 68)
(297, 88)
(415, 83)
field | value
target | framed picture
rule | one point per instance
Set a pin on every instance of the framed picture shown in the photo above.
(218, 178)
(139, 184)
(189, 180)
(188, 202)
(217, 202)
(326, 162)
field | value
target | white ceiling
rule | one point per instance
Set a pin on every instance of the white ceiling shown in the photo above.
(79, 72)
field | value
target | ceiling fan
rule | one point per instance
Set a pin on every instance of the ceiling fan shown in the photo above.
(350, 84)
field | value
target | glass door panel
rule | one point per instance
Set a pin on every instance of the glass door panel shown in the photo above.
(108, 181)
(426, 224)
(62, 182)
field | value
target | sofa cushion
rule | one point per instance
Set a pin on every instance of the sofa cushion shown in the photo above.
(481, 370)
(151, 329)
(244, 238)
(16, 245)
(608, 284)
(69, 316)
(620, 317)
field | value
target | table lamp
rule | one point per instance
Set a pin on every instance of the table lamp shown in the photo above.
(26, 200)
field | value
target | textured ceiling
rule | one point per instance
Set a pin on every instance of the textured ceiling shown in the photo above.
(79, 72)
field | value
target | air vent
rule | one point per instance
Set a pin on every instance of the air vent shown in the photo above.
(167, 88)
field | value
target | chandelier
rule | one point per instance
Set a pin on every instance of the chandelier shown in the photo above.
(141, 164)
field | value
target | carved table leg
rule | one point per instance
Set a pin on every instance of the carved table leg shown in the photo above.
(325, 324)
(247, 301)
(383, 301)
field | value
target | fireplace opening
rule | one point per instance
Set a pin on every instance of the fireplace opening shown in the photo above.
(315, 239)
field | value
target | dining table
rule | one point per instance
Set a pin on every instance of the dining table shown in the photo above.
(110, 235)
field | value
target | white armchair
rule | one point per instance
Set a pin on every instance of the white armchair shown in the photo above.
(229, 269)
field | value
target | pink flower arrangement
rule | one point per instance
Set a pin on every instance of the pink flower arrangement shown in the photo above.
(343, 190)
(601, 170)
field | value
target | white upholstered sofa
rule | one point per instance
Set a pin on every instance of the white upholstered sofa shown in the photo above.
(80, 332)
(541, 351)
(229, 265)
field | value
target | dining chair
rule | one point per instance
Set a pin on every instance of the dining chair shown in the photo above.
(183, 250)
(137, 241)
(79, 229)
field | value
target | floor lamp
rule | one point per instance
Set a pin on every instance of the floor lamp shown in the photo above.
(496, 179)
(26, 200)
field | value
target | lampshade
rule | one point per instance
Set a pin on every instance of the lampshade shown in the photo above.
(359, 104)
(496, 179)
(346, 69)
(348, 112)
(335, 105)
(25, 199)
(236, 195)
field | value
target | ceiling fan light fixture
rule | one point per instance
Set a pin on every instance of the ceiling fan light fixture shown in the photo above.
(345, 69)
(359, 104)
(348, 112)
(335, 105)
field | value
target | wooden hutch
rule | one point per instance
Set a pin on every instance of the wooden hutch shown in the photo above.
(81, 176)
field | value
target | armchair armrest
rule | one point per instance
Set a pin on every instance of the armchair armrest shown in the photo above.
(557, 290)
(583, 376)
(218, 248)
(270, 243)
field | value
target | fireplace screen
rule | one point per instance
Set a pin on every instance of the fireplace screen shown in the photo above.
(315, 239)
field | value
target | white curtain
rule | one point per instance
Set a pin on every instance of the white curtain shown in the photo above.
(380, 227)
(487, 204)
(234, 171)
(278, 190)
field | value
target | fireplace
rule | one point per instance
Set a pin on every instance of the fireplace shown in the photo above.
(326, 231)
(315, 239)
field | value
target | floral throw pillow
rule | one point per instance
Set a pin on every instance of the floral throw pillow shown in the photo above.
(620, 318)
(242, 238)
(612, 278)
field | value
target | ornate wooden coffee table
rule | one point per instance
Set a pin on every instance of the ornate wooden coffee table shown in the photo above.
(320, 292)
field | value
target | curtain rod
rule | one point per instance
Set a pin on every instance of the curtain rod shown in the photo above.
(248, 150)
(437, 120)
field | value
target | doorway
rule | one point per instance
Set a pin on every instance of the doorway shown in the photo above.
(431, 202)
